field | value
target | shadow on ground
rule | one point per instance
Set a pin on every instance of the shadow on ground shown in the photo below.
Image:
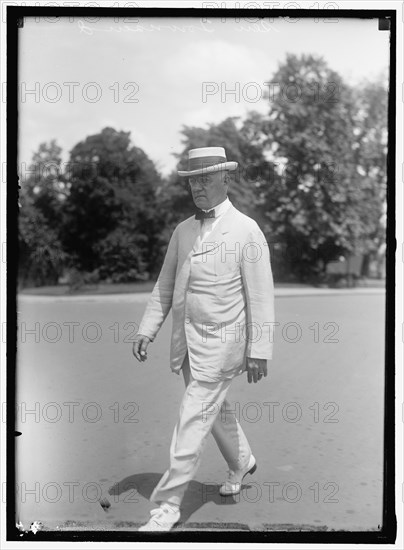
(195, 497)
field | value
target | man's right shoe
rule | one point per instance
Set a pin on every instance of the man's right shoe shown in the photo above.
(233, 485)
(162, 519)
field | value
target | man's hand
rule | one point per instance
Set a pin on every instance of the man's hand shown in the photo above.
(140, 344)
(256, 369)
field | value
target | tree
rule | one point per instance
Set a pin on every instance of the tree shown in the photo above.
(370, 159)
(317, 207)
(110, 211)
(46, 184)
(41, 255)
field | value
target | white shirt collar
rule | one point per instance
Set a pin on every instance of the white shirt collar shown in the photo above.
(221, 208)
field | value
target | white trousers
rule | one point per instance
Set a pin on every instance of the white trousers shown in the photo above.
(203, 409)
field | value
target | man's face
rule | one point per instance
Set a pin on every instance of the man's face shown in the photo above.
(208, 190)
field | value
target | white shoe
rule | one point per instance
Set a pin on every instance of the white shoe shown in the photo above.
(233, 485)
(162, 519)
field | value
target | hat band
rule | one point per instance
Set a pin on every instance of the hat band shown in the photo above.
(204, 162)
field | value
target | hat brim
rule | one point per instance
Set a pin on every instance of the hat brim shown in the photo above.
(209, 169)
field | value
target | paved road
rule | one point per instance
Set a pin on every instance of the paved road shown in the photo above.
(101, 421)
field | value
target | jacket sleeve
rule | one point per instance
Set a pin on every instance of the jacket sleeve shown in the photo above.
(259, 290)
(160, 301)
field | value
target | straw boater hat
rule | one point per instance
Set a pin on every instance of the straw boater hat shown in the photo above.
(205, 160)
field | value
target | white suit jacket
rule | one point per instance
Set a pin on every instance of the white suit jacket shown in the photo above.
(221, 295)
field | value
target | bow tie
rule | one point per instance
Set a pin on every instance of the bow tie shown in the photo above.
(201, 215)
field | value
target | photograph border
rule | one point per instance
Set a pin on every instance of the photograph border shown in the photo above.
(387, 533)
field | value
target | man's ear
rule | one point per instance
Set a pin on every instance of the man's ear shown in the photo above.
(226, 178)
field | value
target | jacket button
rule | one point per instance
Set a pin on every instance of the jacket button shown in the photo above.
(187, 320)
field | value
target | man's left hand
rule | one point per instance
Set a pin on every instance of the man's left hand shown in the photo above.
(256, 369)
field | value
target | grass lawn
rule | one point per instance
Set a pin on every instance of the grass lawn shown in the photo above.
(101, 288)
(147, 286)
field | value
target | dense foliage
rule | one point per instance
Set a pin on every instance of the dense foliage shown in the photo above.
(312, 172)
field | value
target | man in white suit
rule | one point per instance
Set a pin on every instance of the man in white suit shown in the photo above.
(217, 280)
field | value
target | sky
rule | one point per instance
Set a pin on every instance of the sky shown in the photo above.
(152, 76)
